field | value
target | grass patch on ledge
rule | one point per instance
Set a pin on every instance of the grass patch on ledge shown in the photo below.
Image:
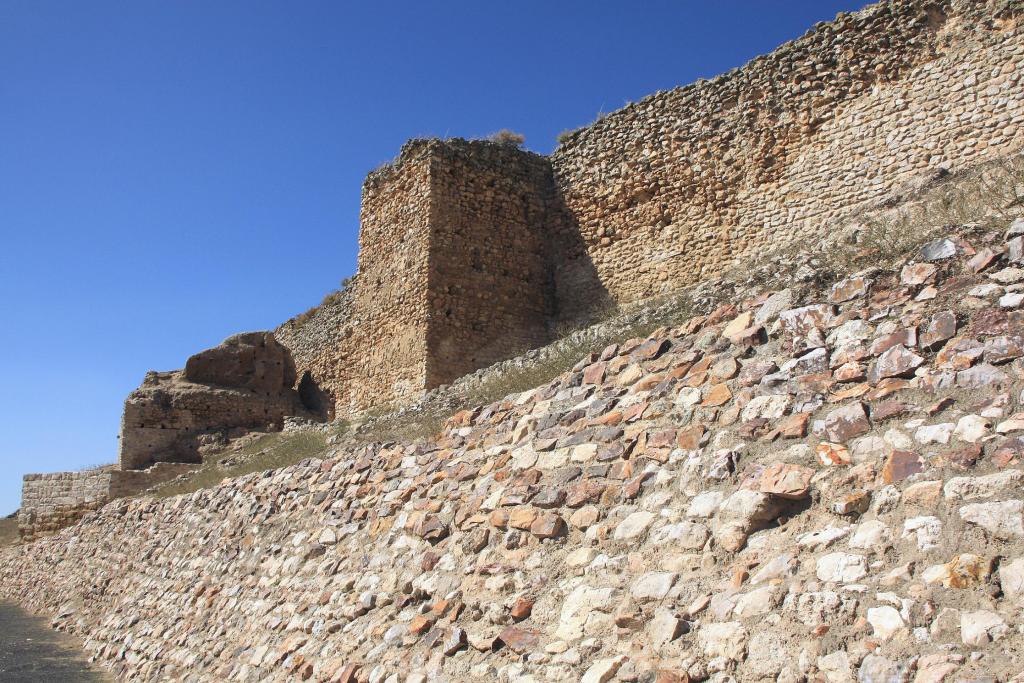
(265, 452)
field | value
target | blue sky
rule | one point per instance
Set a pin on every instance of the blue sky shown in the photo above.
(174, 172)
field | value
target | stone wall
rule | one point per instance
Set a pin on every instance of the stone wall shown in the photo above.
(821, 482)
(469, 251)
(50, 502)
(684, 183)
(454, 274)
(490, 287)
(247, 383)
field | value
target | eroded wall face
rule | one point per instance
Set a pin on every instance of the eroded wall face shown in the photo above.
(489, 288)
(686, 183)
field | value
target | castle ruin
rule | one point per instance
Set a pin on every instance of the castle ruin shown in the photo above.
(471, 251)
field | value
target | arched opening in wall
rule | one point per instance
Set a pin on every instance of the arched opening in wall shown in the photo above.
(313, 398)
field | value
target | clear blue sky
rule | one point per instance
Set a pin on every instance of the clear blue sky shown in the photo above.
(174, 172)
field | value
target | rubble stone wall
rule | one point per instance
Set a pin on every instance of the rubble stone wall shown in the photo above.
(805, 483)
(682, 184)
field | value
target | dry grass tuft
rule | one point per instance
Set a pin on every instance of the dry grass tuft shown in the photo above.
(507, 137)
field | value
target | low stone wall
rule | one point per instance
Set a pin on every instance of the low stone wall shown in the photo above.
(51, 502)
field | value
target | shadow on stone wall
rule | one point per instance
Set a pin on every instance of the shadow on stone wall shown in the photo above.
(578, 295)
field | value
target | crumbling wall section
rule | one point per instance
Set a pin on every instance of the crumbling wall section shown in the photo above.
(685, 183)
(247, 383)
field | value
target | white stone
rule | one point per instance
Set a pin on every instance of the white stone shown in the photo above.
(664, 627)
(976, 488)
(585, 604)
(756, 602)
(1011, 300)
(685, 535)
(580, 557)
(725, 639)
(1004, 520)
(1011, 578)
(841, 567)
(634, 525)
(981, 628)
(927, 531)
(822, 538)
(871, 535)
(771, 407)
(972, 428)
(885, 621)
(939, 433)
(653, 586)
(705, 505)
(603, 670)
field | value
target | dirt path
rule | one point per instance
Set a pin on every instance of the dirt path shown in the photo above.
(31, 652)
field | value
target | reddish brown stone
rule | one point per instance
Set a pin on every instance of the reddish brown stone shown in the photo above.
(420, 624)
(884, 410)
(581, 493)
(519, 640)
(832, 454)
(594, 374)
(982, 260)
(1003, 349)
(900, 465)
(941, 328)
(548, 525)
(663, 438)
(672, 677)
(347, 674)
(754, 335)
(522, 518)
(895, 362)
(965, 457)
(794, 426)
(1009, 452)
(754, 428)
(904, 337)
(852, 503)
(850, 288)
(786, 480)
(850, 372)
(651, 349)
(717, 395)
(917, 273)
(431, 529)
(521, 608)
(939, 406)
(690, 437)
(429, 561)
(499, 518)
(989, 322)
(848, 422)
